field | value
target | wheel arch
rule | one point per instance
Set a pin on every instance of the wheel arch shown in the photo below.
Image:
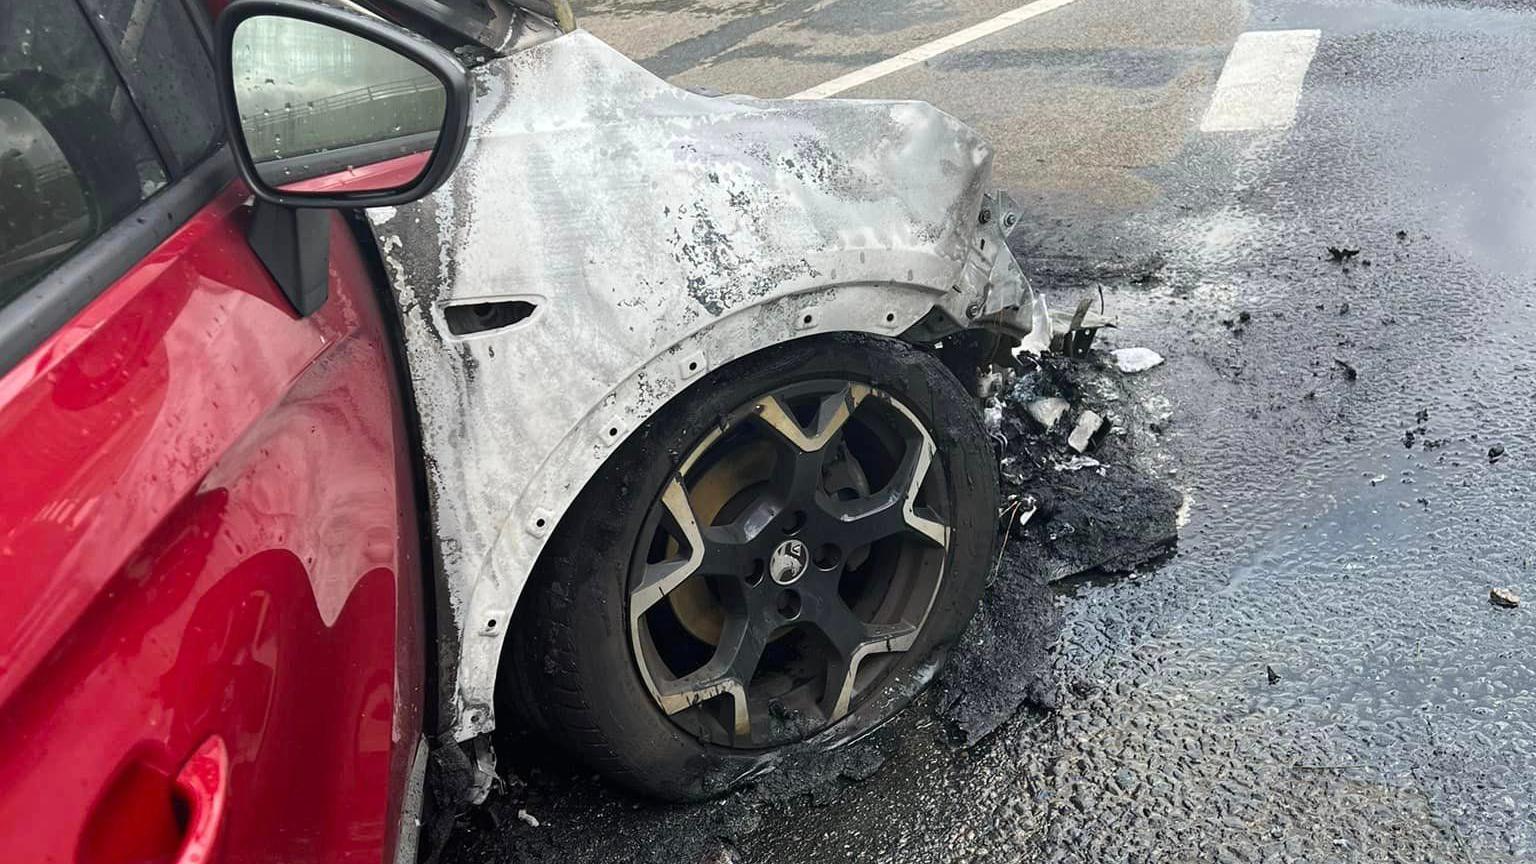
(879, 310)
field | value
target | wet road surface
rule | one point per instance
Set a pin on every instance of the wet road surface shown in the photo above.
(1318, 673)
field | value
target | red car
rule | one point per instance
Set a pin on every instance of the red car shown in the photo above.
(212, 617)
(330, 440)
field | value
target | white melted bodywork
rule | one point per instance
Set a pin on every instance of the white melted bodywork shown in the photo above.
(661, 234)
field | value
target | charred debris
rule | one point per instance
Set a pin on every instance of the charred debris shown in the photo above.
(1086, 496)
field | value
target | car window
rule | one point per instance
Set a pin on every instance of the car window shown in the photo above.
(322, 90)
(74, 154)
(161, 53)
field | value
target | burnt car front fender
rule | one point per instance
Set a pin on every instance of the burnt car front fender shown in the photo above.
(606, 241)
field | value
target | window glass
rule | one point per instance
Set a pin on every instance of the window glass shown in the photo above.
(74, 155)
(304, 88)
(160, 51)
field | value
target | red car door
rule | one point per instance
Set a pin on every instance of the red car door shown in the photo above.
(211, 604)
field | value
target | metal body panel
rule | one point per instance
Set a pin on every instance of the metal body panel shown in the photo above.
(659, 234)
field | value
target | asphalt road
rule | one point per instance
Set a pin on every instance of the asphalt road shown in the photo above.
(1318, 673)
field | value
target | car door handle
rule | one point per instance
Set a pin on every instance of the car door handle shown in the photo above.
(202, 784)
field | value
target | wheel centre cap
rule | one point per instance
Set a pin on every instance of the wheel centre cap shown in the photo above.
(788, 562)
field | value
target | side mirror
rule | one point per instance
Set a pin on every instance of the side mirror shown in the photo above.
(327, 108)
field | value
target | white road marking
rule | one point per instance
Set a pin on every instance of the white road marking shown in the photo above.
(924, 53)
(1260, 86)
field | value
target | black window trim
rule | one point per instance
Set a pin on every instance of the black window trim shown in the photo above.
(40, 311)
(169, 159)
(109, 50)
(201, 22)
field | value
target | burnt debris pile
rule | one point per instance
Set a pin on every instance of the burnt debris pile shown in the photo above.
(1077, 440)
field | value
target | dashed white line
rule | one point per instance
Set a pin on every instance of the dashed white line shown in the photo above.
(1260, 86)
(926, 52)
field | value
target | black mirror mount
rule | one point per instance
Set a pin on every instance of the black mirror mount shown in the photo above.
(445, 151)
(294, 244)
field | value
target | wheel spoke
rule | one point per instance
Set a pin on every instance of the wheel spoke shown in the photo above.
(831, 415)
(866, 520)
(662, 578)
(804, 476)
(747, 525)
(725, 554)
(892, 510)
(734, 661)
(853, 641)
(807, 446)
(933, 529)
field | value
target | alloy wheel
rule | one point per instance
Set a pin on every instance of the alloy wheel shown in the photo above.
(799, 546)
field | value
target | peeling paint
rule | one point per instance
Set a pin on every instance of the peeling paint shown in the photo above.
(661, 228)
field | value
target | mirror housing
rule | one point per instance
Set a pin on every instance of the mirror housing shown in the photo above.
(442, 65)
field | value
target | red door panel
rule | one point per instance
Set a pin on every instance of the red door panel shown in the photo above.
(207, 534)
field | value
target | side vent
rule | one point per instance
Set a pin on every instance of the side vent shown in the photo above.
(470, 319)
